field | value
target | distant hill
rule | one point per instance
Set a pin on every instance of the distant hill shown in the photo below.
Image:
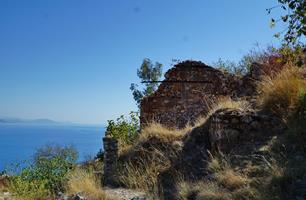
(44, 121)
(34, 121)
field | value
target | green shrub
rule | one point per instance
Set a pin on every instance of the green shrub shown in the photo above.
(124, 129)
(100, 155)
(23, 187)
(46, 175)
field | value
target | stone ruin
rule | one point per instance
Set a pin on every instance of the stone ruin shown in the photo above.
(186, 94)
(188, 90)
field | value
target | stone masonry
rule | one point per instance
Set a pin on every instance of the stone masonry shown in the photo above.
(110, 161)
(186, 93)
(227, 131)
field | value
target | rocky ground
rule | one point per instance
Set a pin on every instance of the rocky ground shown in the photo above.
(125, 194)
(114, 193)
(118, 194)
(5, 196)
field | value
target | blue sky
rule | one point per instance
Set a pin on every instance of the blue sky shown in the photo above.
(74, 60)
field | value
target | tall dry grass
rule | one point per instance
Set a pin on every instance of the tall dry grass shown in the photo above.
(143, 175)
(164, 133)
(225, 174)
(85, 183)
(280, 95)
(227, 183)
(202, 190)
(220, 103)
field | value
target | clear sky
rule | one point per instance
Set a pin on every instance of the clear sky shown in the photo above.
(74, 60)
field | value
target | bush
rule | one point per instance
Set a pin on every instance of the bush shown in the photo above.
(293, 55)
(25, 188)
(100, 155)
(271, 59)
(125, 130)
(283, 94)
(48, 151)
(46, 175)
(255, 55)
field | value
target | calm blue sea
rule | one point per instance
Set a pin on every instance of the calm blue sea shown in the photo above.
(18, 142)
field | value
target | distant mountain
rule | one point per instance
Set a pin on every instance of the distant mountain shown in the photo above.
(34, 121)
(44, 121)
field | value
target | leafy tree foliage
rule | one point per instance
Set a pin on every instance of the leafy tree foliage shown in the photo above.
(148, 73)
(295, 18)
(124, 129)
(48, 151)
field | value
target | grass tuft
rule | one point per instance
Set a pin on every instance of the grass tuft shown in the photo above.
(221, 103)
(158, 130)
(85, 183)
(201, 191)
(231, 180)
(281, 94)
(143, 175)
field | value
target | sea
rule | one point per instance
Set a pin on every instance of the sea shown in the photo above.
(19, 141)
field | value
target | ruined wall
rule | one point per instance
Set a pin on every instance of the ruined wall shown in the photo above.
(241, 131)
(227, 131)
(110, 177)
(186, 93)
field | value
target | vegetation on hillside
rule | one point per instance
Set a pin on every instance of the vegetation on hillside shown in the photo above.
(270, 56)
(253, 177)
(53, 171)
(277, 173)
(124, 129)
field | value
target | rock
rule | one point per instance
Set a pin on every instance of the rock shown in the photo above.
(234, 121)
(139, 198)
(5, 196)
(79, 197)
(299, 158)
(255, 124)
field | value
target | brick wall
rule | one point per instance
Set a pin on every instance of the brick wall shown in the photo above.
(186, 93)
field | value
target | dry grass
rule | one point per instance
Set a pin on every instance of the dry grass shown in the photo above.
(227, 184)
(85, 183)
(211, 190)
(214, 166)
(3, 184)
(149, 156)
(231, 179)
(280, 95)
(218, 104)
(226, 175)
(143, 175)
(201, 191)
(158, 130)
